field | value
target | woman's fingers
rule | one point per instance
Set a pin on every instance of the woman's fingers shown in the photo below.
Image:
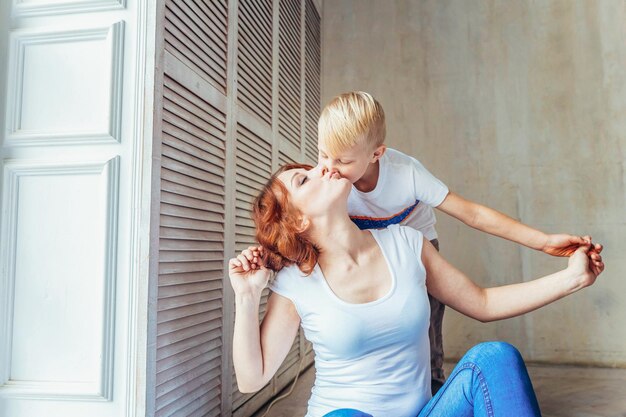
(233, 263)
(596, 263)
(597, 268)
(249, 259)
(598, 247)
(595, 256)
(245, 264)
(253, 253)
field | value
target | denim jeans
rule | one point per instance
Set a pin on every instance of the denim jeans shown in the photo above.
(491, 380)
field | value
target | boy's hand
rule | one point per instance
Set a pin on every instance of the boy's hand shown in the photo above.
(566, 245)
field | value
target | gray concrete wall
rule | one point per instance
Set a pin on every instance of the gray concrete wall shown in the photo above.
(519, 105)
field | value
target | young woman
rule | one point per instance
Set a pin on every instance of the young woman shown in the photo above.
(361, 298)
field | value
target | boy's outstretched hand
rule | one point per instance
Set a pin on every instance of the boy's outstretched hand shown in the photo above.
(566, 245)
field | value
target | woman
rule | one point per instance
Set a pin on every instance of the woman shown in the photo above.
(361, 298)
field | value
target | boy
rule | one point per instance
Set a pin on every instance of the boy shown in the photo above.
(390, 187)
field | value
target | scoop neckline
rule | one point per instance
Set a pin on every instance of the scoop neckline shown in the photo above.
(369, 303)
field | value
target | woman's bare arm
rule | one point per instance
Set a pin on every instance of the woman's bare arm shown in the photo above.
(454, 288)
(258, 351)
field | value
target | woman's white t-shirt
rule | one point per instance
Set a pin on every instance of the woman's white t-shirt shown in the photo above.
(375, 356)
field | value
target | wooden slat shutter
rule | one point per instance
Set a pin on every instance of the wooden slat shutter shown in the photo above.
(312, 80)
(196, 34)
(191, 253)
(254, 65)
(192, 121)
(253, 168)
(232, 104)
(284, 159)
(290, 75)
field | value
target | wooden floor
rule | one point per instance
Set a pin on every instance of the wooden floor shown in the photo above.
(562, 392)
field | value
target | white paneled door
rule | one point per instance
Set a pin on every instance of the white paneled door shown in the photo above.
(72, 246)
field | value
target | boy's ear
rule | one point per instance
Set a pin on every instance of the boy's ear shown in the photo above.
(378, 153)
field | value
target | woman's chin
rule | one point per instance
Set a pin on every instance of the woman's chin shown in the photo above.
(346, 186)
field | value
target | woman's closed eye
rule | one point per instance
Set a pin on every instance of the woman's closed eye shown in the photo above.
(304, 179)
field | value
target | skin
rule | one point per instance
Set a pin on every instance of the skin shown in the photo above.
(359, 164)
(347, 252)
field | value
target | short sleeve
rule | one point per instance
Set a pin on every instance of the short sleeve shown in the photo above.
(282, 284)
(428, 188)
(415, 240)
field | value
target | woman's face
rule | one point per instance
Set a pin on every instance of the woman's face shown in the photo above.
(314, 192)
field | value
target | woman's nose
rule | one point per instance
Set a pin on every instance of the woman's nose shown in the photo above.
(322, 170)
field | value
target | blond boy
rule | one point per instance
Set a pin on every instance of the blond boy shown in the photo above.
(390, 187)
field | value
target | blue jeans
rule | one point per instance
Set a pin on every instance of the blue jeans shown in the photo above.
(491, 380)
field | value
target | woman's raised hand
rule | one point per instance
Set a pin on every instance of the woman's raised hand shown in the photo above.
(585, 264)
(247, 275)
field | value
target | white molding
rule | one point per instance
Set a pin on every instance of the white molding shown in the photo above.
(138, 285)
(101, 390)
(53, 390)
(18, 42)
(20, 9)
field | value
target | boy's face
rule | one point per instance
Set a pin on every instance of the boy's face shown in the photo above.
(350, 164)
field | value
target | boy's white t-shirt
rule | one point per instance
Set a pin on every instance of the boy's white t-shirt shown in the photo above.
(405, 194)
(373, 357)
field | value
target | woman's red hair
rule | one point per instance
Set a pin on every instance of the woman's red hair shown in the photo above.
(279, 227)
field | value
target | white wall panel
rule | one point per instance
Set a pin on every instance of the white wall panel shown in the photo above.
(59, 339)
(65, 87)
(54, 7)
(75, 172)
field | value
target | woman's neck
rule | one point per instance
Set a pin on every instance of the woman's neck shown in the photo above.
(338, 238)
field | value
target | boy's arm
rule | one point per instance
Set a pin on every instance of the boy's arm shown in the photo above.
(498, 224)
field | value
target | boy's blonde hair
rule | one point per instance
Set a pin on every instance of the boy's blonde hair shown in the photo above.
(351, 118)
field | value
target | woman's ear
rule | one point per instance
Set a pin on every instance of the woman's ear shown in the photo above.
(378, 153)
(304, 224)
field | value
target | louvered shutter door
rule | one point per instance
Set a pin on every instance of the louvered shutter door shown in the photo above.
(253, 146)
(254, 65)
(230, 108)
(191, 279)
(196, 34)
(290, 74)
(190, 309)
(253, 168)
(312, 81)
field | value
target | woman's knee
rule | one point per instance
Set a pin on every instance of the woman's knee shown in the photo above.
(494, 353)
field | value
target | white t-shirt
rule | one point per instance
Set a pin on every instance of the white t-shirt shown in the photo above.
(374, 357)
(405, 194)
